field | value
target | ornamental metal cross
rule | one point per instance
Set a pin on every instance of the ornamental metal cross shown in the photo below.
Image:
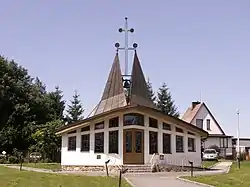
(126, 48)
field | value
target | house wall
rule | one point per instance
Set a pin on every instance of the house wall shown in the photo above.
(90, 158)
(204, 114)
(216, 141)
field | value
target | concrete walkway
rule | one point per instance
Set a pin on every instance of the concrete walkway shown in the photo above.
(172, 178)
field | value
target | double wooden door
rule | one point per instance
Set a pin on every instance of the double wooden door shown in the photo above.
(133, 146)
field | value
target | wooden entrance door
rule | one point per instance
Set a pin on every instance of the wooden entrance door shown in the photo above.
(133, 146)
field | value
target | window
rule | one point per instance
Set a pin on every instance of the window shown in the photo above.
(223, 142)
(208, 124)
(179, 130)
(153, 142)
(153, 123)
(114, 122)
(99, 142)
(133, 119)
(191, 144)
(166, 143)
(72, 132)
(113, 142)
(72, 143)
(99, 125)
(85, 142)
(179, 144)
(166, 126)
(85, 129)
(199, 123)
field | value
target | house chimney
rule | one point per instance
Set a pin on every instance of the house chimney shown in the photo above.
(194, 103)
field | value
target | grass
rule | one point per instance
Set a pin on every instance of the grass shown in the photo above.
(235, 178)
(51, 166)
(15, 178)
(207, 164)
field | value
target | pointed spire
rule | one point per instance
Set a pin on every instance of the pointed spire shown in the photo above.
(139, 91)
(113, 95)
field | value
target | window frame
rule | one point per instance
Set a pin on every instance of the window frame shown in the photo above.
(117, 142)
(137, 115)
(208, 123)
(150, 142)
(177, 150)
(103, 139)
(202, 127)
(88, 147)
(69, 147)
(193, 147)
(151, 123)
(164, 151)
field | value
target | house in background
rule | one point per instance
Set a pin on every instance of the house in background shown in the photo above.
(199, 115)
(244, 144)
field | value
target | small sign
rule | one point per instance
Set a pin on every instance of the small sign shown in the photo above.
(161, 157)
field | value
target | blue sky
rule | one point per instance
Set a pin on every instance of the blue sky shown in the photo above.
(194, 46)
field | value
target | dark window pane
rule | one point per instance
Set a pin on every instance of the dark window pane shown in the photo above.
(99, 125)
(153, 123)
(85, 129)
(179, 144)
(72, 143)
(166, 143)
(199, 123)
(166, 126)
(99, 142)
(138, 142)
(113, 141)
(114, 122)
(191, 144)
(208, 124)
(178, 130)
(128, 141)
(85, 142)
(72, 132)
(133, 119)
(153, 142)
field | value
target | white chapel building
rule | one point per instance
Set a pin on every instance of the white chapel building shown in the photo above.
(126, 128)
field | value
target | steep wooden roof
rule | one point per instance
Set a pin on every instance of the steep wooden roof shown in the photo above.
(113, 95)
(139, 91)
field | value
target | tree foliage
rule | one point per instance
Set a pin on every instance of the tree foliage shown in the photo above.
(150, 90)
(165, 103)
(75, 109)
(25, 106)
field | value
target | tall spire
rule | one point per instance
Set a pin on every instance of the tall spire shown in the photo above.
(113, 95)
(139, 92)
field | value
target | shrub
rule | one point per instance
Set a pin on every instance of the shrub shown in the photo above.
(3, 161)
(13, 160)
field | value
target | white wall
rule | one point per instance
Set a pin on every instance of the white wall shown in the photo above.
(204, 114)
(79, 158)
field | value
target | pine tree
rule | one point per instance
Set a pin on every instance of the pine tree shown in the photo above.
(75, 109)
(150, 91)
(165, 103)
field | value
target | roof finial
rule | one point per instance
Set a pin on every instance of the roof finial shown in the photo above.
(126, 48)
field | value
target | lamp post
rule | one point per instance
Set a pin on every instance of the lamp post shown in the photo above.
(238, 137)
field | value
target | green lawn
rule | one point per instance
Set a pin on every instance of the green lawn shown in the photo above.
(235, 178)
(207, 164)
(52, 166)
(15, 178)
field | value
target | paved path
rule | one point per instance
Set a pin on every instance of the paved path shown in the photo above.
(170, 178)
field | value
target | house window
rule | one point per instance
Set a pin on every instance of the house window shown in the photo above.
(99, 125)
(166, 143)
(179, 130)
(223, 142)
(114, 122)
(133, 119)
(85, 129)
(113, 141)
(85, 143)
(179, 144)
(208, 124)
(166, 126)
(72, 143)
(199, 123)
(191, 133)
(153, 123)
(99, 142)
(191, 145)
(153, 142)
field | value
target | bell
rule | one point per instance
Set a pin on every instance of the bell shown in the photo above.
(126, 84)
